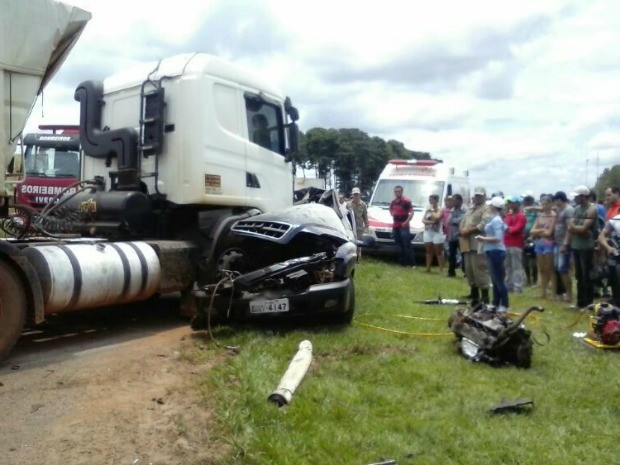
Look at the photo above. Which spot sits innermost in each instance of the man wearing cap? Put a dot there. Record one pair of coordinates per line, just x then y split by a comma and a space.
514, 239
561, 259
495, 250
360, 212
581, 238
401, 210
472, 225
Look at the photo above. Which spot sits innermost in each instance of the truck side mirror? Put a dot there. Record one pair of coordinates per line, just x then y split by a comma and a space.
291, 111
293, 140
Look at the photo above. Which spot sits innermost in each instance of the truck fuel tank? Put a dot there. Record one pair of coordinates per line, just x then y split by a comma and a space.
131, 209
78, 276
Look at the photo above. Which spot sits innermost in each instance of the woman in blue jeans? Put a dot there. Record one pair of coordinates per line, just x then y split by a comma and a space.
495, 250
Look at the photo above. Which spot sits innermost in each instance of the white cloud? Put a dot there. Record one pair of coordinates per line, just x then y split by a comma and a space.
519, 92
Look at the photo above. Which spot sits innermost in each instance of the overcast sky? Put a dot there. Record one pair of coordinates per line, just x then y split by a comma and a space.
524, 94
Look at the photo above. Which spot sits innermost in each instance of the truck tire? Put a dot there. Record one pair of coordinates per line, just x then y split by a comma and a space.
12, 309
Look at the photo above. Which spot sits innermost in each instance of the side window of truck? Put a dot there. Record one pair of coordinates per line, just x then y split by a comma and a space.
265, 123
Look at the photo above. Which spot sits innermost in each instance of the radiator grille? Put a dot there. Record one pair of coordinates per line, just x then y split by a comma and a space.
270, 229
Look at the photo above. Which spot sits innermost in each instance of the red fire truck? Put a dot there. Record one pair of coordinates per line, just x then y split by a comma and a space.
51, 162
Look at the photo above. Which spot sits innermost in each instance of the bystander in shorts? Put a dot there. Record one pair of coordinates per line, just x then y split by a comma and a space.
544, 246
434, 237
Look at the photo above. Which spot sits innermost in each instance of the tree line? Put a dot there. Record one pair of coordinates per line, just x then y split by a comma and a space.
349, 157
609, 177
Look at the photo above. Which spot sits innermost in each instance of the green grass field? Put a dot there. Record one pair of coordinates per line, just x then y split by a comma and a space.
392, 386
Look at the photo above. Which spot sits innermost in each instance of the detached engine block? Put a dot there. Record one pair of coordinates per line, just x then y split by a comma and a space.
483, 335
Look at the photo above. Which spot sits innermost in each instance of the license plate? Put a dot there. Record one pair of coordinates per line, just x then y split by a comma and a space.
269, 306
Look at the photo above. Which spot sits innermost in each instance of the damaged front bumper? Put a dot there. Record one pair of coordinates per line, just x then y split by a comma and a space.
319, 299
303, 286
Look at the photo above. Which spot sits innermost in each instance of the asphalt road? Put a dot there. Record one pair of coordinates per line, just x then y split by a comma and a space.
63, 336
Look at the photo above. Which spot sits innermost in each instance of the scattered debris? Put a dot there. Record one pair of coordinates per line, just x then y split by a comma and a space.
293, 375
440, 301
385, 462
516, 406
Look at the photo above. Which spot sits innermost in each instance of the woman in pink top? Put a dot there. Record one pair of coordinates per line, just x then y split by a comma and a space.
514, 240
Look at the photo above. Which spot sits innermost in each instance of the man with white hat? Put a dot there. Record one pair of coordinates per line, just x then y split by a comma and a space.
471, 226
581, 238
360, 212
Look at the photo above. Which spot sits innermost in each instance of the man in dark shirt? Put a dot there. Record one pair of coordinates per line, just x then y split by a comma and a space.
401, 210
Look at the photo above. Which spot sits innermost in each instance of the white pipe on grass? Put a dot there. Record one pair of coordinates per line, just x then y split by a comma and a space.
293, 375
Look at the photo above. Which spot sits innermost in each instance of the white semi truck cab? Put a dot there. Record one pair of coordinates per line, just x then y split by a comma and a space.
186, 129
181, 143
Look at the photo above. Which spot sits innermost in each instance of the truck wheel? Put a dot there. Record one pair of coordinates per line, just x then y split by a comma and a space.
232, 255
12, 309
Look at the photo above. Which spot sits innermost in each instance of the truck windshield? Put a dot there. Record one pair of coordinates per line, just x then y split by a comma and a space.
52, 162
417, 190
265, 124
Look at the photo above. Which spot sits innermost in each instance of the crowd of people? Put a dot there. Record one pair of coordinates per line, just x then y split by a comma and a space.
505, 243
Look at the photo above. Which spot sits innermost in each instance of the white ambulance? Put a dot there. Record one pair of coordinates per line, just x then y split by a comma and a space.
419, 178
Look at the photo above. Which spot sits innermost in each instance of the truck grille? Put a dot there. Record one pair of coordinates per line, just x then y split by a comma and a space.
270, 229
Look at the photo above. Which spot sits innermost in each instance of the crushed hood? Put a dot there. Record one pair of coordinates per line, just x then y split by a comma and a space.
282, 226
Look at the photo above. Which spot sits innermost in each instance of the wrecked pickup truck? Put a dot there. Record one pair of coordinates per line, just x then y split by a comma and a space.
296, 262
